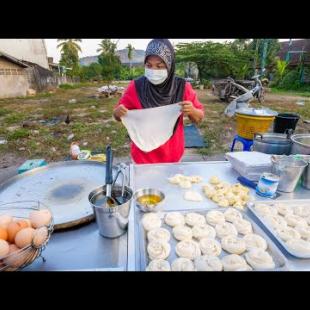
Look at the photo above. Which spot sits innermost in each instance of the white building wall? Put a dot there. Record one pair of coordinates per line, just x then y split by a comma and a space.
33, 50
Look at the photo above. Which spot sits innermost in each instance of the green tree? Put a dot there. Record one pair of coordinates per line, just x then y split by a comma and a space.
281, 66
130, 50
109, 61
70, 49
91, 72
214, 59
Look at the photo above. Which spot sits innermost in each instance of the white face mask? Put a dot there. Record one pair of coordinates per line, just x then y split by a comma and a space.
156, 76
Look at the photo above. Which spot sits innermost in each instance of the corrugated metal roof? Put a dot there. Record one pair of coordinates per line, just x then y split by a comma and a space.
13, 59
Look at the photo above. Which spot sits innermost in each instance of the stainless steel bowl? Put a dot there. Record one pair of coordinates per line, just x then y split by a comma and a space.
148, 191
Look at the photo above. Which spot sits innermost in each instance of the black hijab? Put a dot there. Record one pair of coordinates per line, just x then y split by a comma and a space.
172, 89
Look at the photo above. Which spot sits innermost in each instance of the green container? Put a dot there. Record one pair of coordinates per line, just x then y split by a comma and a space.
31, 164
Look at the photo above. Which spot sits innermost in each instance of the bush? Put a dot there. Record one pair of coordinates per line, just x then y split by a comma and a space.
291, 80
66, 86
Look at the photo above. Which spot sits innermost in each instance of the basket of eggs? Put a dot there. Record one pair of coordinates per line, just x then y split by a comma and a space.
25, 229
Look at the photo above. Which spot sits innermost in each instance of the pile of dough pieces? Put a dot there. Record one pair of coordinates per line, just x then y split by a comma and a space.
222, 193
289, 223
186, 182
225, 194
216, 241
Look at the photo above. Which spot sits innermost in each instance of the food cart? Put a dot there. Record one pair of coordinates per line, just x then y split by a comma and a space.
77, 245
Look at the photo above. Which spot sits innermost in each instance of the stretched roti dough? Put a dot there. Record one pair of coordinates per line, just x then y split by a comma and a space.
153, 127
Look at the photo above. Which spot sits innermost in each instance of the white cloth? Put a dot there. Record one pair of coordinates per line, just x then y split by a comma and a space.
153, 127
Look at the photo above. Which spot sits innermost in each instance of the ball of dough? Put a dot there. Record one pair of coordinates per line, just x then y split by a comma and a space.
188, 248
210, 246
208, 263
182, 264
283, 209
215, 217
244, 227
193, 219
176, 179
233, 245
264, 209
223, 203
174, 219
245, 268
259, 259
233, 262
225, 229
255, 241
151, 221
304, 231
231, 197
286, 233
232, 214
302, 211
158, 234
158, 265
275, 221
308, 219
192, 196
300, 246
182, 232
158, 249
185, 184
196, 179
294, 220
214, 180
203, 231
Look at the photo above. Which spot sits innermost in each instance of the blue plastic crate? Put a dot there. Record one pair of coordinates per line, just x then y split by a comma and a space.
31, 164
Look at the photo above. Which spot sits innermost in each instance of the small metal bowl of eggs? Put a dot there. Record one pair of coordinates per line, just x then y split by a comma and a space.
25, 229
148, 199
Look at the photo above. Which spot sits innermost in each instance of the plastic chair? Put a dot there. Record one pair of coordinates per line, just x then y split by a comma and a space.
247, 144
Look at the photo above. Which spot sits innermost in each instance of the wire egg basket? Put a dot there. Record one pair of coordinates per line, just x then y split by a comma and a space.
23, 257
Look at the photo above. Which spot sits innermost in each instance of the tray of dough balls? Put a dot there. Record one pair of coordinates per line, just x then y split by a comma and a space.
217, 239
288, 222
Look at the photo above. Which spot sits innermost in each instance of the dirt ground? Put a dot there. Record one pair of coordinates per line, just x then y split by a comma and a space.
35, 127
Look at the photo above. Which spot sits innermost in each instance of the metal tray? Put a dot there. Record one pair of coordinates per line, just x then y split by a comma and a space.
63, 186
278, 257
270, 229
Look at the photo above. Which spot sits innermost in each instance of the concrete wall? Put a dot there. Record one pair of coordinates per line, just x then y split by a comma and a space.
33, 50
13, 85
13, 80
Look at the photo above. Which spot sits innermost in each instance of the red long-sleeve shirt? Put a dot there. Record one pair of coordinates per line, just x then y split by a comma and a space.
173, 149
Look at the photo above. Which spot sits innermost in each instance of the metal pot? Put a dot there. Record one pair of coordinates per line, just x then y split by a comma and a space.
112, 221
271, 143
289, 169
301, 144
305, 178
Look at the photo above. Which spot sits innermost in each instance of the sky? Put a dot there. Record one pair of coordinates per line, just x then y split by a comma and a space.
89, 46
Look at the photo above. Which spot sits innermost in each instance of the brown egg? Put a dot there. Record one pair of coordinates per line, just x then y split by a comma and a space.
24, 223
24, 237
40, 218
4, 248
5, 220
16, 259
13, 229
40, 236
3, 234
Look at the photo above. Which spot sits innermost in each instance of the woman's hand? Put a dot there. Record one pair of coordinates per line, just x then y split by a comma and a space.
120, 111
189, 110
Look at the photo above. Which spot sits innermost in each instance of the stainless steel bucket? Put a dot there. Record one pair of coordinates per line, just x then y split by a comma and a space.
289, 169
112, 221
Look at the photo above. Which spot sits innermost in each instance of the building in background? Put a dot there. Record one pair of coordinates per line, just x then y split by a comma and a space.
33, 50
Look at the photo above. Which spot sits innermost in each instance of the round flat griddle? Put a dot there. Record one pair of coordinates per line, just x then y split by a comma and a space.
64, 187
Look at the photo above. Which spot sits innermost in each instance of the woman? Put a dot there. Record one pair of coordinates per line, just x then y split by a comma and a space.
160, 87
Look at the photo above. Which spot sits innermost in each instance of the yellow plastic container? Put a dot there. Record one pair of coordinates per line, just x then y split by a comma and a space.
248, 125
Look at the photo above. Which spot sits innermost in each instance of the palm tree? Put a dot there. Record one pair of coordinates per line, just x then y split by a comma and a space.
70, 53
69, 44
